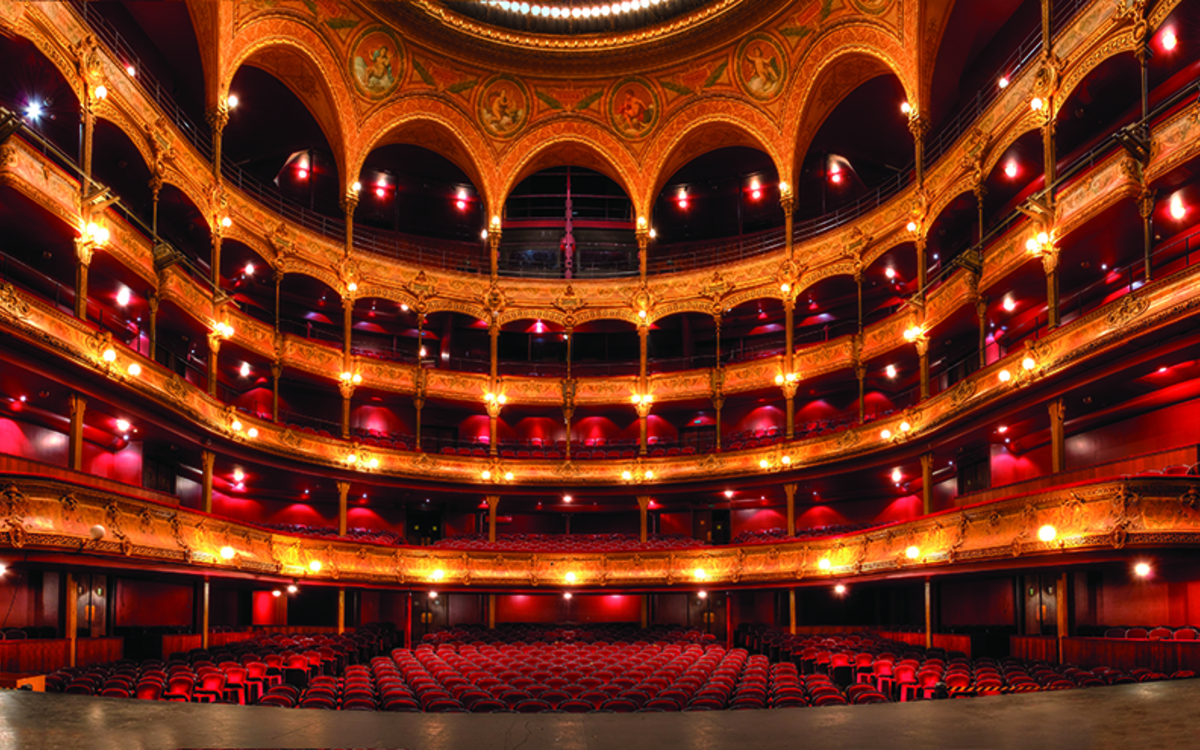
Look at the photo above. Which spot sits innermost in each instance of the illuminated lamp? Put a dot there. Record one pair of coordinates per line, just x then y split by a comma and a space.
702, 594
110, 355
352, 287
276, 593
1028, 363
33, 110
786, 460
912, 553
123, 296
699, 574
226, 222
1142, 569
567, 498
890, 371
785, 288
1005, 376
885, 434
122, 425
764, 464
356, 187
238, 475
1169, 41
896, 475
228, 553
567, 595
380, 192
906, 108
1010, 169
570, 578
132, 71
244, 370
236, 426
249, 269
1037, 104
1009, 304
1047, 533
1003, 82
315, 566
911, 226
840, 589
302, 173
252, 432
232, 101
485, 475
135, 369
438, 574
905, 426
835, 177
824, 564
889, 272
508, 476
433, 595
101, 92
728, 494
292, 588
1177, 209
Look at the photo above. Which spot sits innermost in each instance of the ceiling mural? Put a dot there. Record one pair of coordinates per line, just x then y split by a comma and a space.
384, 67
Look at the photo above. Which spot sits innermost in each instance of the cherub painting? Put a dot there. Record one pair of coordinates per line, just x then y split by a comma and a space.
633, 109
376, 63
762, 67
502, 107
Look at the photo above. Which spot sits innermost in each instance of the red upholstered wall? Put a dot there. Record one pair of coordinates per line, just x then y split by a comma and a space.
551, 608
146, 603
757, 519
253, 510
124, 465
385, 419
987, 601
383, 606
1009, 467
268, 610
31, 441
1154, 431
28, 598
675, 523
1170, 597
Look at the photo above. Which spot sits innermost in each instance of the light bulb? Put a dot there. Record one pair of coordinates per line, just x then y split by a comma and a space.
123, 296
122, 425
912, 553
1142, 569
1047, 533
228, 553
232, 101
135, 369
890, 371
315, 566
824, 563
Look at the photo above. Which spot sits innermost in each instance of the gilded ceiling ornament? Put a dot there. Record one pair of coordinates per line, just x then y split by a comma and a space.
376, 62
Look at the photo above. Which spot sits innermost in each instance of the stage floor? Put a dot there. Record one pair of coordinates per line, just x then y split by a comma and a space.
1153, 715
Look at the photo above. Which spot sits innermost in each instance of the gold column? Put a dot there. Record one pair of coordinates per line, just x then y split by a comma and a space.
78, 406
792, 611
1050, 265
493, 501
926, 483
347, 327
643, 242
928, 613
643, 407
346, 388
860, 372
788, 201
214, 350
645, 611
1062, 613
218, 118
493, 406
349, 203
922, 265
84, 249
278, 284
789, 397
922, 344
717, 378
341, 611
981, 305
1058, 444
343, 489
204, 598
491, 608
568, 409
918, 126
216, 258
276, 374
493, 238
790, 490
207, 459
153, 301
643, 507
71, 619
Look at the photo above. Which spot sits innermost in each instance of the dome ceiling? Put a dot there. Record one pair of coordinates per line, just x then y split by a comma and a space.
598, 18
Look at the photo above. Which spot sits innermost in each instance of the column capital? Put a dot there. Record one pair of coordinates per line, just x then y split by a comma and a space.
217, 117
343, 488
644, 501
207, 460
492, 501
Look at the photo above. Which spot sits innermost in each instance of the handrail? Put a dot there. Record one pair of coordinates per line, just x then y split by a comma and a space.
469, 257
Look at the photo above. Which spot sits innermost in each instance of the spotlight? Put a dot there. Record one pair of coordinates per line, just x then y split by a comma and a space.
380, 192
1169, 40
276, 593
122, 425
132, 71
238, 475
889, 272
1010, 170
249, 269
123, 296
1009, 304
567, 596
292, 588
33, 110
1178, 210
890, 371
840, 589
567, 498
302, 174
244, 370
1142, 569
232, 101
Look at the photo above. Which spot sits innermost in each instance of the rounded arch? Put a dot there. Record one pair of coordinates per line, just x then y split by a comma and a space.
568, 143
838, 77
431, 124
697, 131
299, 59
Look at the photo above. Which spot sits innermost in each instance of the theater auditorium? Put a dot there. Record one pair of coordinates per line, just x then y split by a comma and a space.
574, 373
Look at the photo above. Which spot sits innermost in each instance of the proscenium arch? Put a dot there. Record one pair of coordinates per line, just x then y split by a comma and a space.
431, 129
298, 63
576, 144
696, 132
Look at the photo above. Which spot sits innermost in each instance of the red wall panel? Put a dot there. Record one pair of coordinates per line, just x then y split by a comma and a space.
1154, 431
554, 608
977, 602
146, 603
675, 523
267, 609
757, 519
31, 441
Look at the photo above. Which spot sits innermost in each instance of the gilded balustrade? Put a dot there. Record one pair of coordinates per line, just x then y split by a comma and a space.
1062, 351
42, 515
